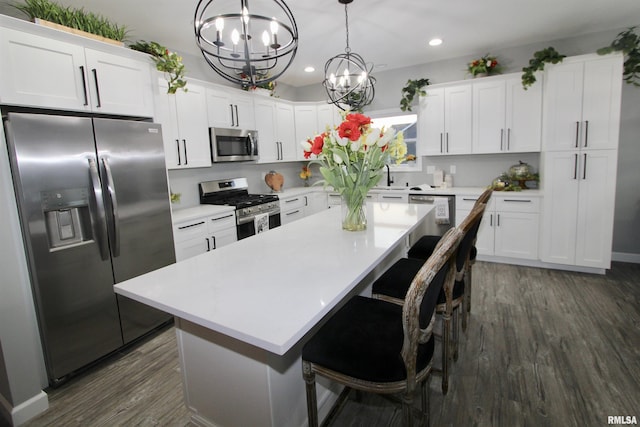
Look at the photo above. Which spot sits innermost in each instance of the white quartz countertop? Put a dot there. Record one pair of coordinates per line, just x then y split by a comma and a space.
269, 290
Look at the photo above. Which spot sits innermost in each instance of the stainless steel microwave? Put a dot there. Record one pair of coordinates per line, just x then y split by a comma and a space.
233, 145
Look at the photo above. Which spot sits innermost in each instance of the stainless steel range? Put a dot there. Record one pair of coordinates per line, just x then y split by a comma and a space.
254, 212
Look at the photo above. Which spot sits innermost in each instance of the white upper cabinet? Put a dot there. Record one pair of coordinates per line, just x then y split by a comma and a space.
183, 116
41, 71
582, 103
328, 115
506, 117
307, 125
275, 123
230, 108
445, 121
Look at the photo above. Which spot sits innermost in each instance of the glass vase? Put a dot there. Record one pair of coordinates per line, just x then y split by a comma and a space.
354, 212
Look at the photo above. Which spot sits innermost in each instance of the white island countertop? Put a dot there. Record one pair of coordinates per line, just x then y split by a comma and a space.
269, 290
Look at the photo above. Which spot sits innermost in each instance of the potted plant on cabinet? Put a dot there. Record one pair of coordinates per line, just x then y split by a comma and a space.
412, 88
627, 42
484, 66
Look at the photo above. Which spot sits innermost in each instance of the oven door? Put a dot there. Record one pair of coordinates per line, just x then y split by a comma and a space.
246, 227
232, 145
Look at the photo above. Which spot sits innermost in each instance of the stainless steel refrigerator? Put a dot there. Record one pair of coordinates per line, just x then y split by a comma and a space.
94, 208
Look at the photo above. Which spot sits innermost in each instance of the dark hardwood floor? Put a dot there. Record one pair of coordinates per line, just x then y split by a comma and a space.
543, 348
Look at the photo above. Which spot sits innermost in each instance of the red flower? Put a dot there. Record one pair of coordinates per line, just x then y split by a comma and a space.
317, 144
349, 129
360, 119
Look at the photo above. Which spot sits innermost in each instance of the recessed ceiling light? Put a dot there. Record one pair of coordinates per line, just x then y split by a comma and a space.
309, 69
435, 42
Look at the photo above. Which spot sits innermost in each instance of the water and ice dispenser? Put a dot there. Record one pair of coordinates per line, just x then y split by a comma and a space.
67, 217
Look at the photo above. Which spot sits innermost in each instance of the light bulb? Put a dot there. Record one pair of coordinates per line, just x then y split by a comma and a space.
274, 26
235, 36
245, 15
265, 38
219, 24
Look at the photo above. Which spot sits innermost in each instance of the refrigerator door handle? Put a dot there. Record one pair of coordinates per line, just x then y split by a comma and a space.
102, 220
114, 208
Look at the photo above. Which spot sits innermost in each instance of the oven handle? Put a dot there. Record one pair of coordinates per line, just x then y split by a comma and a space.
247, 219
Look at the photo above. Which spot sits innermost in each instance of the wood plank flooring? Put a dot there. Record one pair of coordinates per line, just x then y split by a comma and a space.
543, 348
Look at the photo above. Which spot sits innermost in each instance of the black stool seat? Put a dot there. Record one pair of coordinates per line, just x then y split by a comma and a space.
424, 247
396, 280
363, 340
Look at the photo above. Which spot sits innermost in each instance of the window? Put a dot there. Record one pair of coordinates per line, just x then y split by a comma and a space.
408, 124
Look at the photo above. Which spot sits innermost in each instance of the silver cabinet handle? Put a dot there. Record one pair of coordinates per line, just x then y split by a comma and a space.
441, 143
208, 244
501, 139
508, 139
219, 218
178, 147
392, 197
291, 200
575, 166
491, 220
447, 142
95, 78
237, 117
584, 167
292, 212
101, 237
498, 221
518, 200
215, 246
233, 123
115, 218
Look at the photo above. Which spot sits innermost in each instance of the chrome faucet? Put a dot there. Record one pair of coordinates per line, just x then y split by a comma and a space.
389, 179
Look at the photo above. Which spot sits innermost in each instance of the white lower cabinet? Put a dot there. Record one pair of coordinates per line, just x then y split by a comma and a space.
317, 201
392, 197
292, 208
509, 226
203, 234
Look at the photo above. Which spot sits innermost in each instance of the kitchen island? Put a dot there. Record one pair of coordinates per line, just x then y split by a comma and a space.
244, 311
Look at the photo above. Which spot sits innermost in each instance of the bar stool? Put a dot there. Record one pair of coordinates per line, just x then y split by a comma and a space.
392, 286
376, 346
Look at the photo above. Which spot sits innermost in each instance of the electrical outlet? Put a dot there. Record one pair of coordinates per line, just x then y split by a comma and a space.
452, 169
431, 169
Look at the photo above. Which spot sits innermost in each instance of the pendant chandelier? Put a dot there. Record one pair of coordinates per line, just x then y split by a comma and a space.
347, 79
246, 45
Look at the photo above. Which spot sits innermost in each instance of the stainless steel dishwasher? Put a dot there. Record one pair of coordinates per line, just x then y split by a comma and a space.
442, 217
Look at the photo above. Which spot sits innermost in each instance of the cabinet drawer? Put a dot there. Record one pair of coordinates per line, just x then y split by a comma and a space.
189, 229
518, 204
393, 198
293, 203
221, 222
466, 203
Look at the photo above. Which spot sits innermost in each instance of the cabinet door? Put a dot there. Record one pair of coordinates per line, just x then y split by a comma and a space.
41, 72
561, 172
516, 235
485, 238
268, 146
223, 237
316, 202
457, 120
243, 109
119, 85
601, 102
523, 116
191, 108
306, 125
286, 132
192, 247
219, 108
167, 116
431, 123
292, 215
596, 208
563, 106
489, 131
328, 115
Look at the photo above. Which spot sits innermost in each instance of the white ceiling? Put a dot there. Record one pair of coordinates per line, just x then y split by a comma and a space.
391, 32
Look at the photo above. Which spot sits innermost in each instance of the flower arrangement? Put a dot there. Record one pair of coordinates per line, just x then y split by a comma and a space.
305, 174
487, 64
352, 158
166, 61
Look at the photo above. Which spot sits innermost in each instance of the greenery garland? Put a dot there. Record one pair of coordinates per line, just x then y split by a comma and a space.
166, 61
409, 92
627, 42
72, 18
549, 55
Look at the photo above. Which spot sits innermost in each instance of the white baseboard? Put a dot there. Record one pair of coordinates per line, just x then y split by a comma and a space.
625, 257
26, 410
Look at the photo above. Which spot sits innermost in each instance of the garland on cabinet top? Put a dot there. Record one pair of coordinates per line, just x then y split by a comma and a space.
409, 92
166, 61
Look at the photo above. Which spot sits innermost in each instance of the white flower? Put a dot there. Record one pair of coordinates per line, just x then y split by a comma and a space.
340, 141
306, 145
337, 158
355, 145
488, 63
388, 135
372, 136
